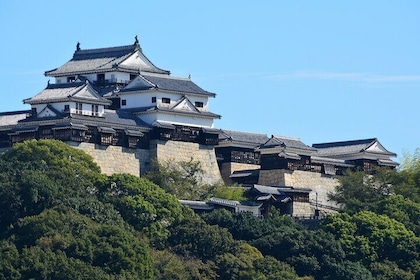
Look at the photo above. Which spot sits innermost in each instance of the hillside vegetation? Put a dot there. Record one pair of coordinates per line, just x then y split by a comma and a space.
61, 218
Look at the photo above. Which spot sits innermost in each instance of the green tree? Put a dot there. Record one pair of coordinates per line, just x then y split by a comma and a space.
183, 179
369, 237
408, 180
358, 190
245, 226
196, 238
63, 234
229, 192
37, 175
56, 158
42, 263
8, 257
144, 205
238, 264
387, 270
270, 268
168, 265
311, 253
401, 209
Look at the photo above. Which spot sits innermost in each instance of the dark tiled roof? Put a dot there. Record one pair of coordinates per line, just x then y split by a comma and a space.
279, 190
35, 118
166, 82
12, 118
107, 89
289, 155
336, 162
113, 52
69, 91
70, 125
287, 142
161, 124
24, 129
242, 138
145, 110
267, 189
122, 117
292, 189
353, 143
139, 83
387, 162
211, 130
245, 173
223, 202
197, 205
349, 147
104, 60
117, 118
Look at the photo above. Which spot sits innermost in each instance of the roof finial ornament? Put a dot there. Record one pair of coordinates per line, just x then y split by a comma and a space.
78, 47
137, 40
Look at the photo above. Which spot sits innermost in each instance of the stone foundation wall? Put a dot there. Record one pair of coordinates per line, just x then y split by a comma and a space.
302, 209
228, 168
116, 159
320, 184
184, 151
272, 177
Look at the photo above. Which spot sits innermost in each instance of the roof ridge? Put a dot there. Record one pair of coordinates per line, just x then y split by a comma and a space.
79, 89
286, 137
106, 49
246, 132
141, 76
65, 85
11, 113
343, 143
164, 75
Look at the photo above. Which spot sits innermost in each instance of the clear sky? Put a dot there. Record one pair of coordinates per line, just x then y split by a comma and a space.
321, 71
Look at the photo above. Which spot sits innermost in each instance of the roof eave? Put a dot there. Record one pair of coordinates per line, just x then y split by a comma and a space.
206, 93
174, 112
93, 71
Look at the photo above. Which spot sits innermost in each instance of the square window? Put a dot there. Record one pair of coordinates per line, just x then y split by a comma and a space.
154, 99
123, 102
100, 77
199, 104
166, 100
95, 110
79, 108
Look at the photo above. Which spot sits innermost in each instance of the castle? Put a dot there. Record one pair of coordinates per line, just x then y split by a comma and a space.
116, 105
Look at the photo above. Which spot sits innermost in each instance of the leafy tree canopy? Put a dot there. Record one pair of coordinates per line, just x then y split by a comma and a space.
144, 205
182, 179
62, 237
62, 219
36, 175
370, 237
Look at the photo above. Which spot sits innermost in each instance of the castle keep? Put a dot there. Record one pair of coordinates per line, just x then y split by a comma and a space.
116, 105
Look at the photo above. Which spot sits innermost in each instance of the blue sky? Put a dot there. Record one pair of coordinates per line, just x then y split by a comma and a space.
322, 71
